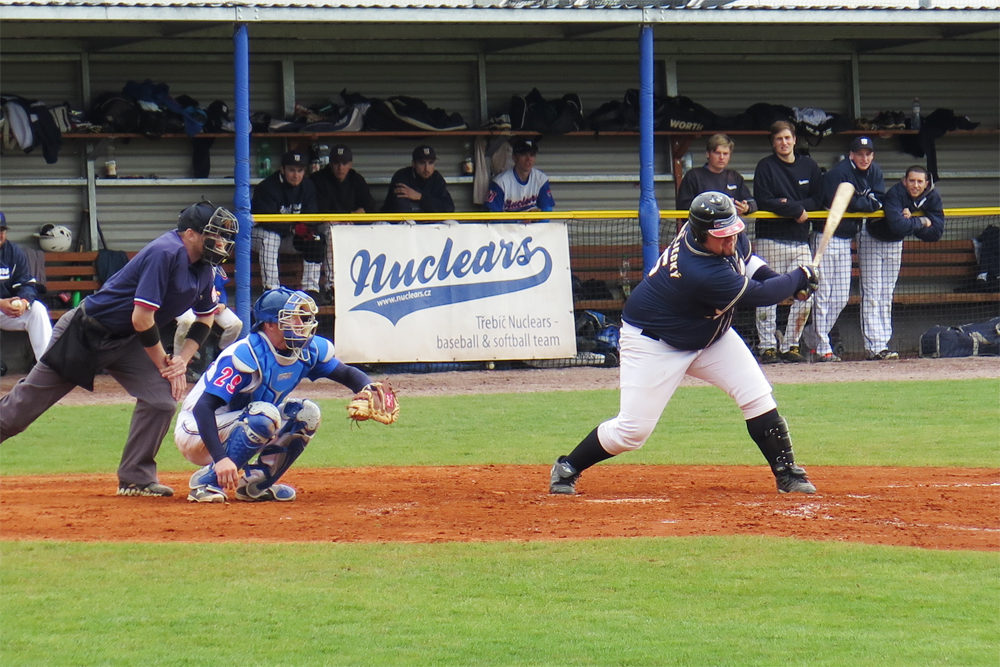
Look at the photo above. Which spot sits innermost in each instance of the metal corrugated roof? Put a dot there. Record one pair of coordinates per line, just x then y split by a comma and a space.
686, 5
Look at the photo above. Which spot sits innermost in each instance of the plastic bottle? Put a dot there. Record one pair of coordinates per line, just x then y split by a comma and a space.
626, 287
915, 119
264, 159
76, 297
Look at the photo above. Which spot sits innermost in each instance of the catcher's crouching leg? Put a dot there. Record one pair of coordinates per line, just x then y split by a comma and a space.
258, 482
257, 426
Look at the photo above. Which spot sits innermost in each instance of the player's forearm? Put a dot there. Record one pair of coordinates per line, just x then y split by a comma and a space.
773, 290
204, 416
351, 377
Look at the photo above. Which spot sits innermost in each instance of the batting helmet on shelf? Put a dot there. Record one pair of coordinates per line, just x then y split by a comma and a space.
713, 213
54, 238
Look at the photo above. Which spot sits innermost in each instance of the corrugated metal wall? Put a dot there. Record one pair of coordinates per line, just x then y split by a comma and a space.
132, 213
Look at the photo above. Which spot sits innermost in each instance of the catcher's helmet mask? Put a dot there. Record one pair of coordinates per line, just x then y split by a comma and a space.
217, 224
295, 314
713, 213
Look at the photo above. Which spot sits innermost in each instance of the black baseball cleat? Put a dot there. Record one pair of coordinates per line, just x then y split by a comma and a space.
563, 478
792, 479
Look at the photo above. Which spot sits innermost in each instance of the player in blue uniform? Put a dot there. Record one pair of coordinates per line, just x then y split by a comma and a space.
242, 408
117, 329
522, 187
677, 322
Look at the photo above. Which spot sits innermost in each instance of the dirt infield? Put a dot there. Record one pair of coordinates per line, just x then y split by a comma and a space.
933, 508
930, 508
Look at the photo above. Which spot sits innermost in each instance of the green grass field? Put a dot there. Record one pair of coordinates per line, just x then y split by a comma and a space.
677, 601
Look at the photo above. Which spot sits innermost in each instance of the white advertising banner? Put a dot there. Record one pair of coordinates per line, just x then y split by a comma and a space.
440, 292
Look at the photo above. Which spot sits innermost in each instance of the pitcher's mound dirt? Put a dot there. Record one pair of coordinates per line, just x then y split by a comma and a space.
934, 508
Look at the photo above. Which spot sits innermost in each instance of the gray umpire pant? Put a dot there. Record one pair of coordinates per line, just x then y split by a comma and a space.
132, 368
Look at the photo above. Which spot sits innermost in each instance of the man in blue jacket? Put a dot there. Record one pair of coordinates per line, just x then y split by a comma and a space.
860, 170
20, 309
912, 208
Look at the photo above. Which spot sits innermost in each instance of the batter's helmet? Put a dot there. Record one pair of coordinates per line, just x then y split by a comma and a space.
714, 213
295, 312
217, 224
54, 238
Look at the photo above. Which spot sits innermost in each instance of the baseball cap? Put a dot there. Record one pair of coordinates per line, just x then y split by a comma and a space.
293, 159
522, 145
341, 153
3, 221
424, 153
862, 143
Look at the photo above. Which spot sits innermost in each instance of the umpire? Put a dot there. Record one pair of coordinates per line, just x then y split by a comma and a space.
117, 329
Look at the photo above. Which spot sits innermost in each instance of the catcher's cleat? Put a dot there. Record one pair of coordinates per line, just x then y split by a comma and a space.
280, 492
207, 494
152, 490
563, 478
792, 479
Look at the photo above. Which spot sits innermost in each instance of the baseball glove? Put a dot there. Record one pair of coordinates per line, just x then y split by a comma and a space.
376, 401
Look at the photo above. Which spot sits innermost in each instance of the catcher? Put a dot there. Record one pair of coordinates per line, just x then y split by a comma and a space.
241, 408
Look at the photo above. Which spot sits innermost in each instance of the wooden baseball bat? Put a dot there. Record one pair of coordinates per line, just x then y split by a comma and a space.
837, 209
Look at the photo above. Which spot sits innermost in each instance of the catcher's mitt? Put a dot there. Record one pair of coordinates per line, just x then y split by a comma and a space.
376, 401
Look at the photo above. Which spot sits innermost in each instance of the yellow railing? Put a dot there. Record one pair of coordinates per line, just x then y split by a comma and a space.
553, 215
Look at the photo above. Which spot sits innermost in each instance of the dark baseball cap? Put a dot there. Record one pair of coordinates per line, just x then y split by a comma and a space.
862, 143
424, 153
293, 159
3, 221
341, 153
522, 145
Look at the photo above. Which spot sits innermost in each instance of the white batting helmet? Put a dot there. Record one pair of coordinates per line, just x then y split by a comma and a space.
54, 238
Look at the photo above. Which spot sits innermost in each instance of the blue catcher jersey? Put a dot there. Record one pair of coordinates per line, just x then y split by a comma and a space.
689, 298
252, 370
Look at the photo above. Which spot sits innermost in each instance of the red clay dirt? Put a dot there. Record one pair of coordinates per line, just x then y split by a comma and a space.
930, 508
934, 508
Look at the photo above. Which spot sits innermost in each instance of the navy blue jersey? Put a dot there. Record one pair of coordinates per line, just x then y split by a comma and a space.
15, 276
703, 179
160, 277
434, 195
689, 298
869, 188
895, 227
799, 184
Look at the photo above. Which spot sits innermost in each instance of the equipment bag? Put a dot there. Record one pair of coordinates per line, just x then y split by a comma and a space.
980, 339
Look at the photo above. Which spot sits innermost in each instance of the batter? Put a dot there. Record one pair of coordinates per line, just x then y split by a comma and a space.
678, 321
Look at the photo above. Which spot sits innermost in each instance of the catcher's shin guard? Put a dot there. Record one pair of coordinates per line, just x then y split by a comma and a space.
776, 444
258, 482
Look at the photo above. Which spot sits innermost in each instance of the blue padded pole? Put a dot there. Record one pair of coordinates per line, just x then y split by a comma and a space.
649, 210
241, 197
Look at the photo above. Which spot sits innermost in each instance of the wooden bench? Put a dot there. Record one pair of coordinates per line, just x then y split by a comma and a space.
953, 262
604, 268
71, 272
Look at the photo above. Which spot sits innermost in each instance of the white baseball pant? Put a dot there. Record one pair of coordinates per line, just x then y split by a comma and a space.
782, 257
188, 438
879, 262
266, 244
834, 289
35, 320
231, 325
651, 371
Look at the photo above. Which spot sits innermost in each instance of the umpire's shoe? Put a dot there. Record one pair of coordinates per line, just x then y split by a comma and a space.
151, 489
563, 478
